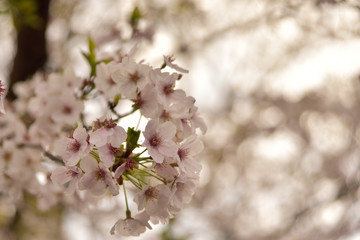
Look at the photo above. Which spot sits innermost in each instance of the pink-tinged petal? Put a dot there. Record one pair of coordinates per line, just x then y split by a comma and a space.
80, 134
71, 187
168, 148
106, 155
88, 164
60, 175
144, 218
140, 198
167, 130
156, 155
151, 128
120, 170
146, 143
72, 160
193, 166
87, 181
98, 188
99, 137
166, 171
61, 147
2, 109
118, 137
200, 123
113, 187
193, 145
179, 96
129, 89
169, 62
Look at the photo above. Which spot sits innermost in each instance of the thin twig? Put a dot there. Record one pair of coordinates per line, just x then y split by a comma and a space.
40, 148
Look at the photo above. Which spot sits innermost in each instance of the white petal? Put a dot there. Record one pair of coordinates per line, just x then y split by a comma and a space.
168, 148
88, 164
80, 134
167, 130
98, 188
151, 128
100, 137
118, 137
106, 155
60, 176
156, 155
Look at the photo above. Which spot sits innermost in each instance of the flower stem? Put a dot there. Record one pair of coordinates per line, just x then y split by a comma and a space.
152, 175
133, 182
139, 154
126, 201
137, 126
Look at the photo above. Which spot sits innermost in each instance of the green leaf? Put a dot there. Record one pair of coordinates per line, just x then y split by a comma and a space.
116, 100
91, 57
135, 17
132, 139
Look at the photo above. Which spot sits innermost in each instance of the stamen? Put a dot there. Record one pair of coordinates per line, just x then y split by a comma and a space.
151, 193
67, 110
168, 89
74, 147
100, 174
134, 76
155, 141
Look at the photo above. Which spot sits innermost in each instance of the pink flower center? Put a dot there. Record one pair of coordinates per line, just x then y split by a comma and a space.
113, 150
110, 81
67, 110
7, 156
100, 174
72, 173
74, 147
138, 102
134, 76
182, 153
151, 193
165, 115
168, 89
109, 123
155, 141
130, 164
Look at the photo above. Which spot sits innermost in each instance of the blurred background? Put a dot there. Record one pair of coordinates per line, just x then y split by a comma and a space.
277, 83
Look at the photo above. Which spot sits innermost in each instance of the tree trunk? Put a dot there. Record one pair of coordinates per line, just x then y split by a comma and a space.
31, 52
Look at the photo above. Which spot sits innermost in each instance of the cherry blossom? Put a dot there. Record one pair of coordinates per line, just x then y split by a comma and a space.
65, 109
132, 226
165, 84
97, 177
155, 201
65, 174
75, 147
147, 102
187, 150
104, 82
107, 132
182, 191
158, 140
131, 78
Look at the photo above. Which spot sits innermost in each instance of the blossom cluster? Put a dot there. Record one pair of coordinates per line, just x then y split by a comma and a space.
158, 163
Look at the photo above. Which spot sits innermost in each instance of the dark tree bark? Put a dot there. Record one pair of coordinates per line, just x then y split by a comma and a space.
31, 52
